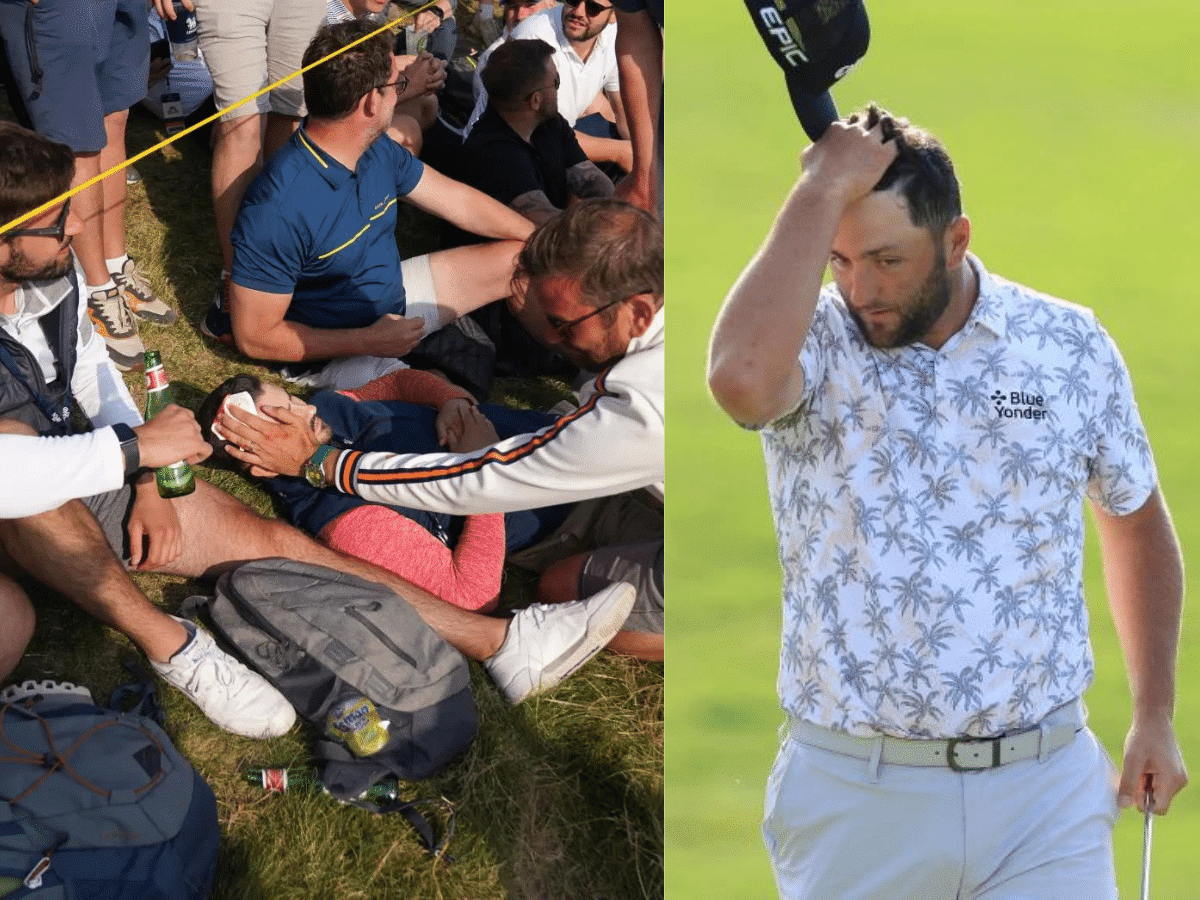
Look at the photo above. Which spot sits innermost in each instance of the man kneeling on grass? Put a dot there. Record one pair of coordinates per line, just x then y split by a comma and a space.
594, 279
82, 548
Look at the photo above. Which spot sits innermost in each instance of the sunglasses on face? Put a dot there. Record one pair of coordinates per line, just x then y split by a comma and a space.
557, 84
57, 231
593, 8
565, 327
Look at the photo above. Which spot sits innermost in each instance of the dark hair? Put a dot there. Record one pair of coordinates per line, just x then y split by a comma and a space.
333, 89
922, 171
211, 405
515, 69
611, 248
33, 171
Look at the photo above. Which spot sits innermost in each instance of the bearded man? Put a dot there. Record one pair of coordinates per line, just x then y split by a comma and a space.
931, 432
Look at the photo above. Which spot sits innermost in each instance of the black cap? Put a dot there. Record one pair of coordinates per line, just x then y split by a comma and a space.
815, 42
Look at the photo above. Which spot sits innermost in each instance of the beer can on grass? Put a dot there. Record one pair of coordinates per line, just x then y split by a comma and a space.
356, 721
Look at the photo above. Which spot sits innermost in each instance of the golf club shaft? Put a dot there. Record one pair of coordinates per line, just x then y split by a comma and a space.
1147, 837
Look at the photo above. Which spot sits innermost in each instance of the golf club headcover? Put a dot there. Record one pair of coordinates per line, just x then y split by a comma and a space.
815, 43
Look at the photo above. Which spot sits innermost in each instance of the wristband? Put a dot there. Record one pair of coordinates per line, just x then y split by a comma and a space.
129, 447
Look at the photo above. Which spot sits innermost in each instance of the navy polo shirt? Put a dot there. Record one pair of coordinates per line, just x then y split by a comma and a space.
312, 228
499, 162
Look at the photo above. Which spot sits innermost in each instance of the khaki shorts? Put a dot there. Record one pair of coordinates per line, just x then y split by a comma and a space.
248, 44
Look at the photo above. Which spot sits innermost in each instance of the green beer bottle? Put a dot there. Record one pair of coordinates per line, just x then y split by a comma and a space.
305, 780
177, 479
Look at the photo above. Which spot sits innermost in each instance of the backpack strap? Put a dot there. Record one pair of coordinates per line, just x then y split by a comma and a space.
436, 849
139, 697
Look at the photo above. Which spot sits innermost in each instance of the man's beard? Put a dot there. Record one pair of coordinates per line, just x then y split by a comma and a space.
924, 308
19, 268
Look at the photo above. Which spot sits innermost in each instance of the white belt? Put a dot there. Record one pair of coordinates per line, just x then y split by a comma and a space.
965, 754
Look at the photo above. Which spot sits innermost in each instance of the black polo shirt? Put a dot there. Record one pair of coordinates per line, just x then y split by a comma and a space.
497, 161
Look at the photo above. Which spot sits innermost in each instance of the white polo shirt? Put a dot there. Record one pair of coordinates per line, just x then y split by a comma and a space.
580, 81
928, 508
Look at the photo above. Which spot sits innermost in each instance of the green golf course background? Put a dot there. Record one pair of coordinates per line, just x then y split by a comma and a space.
1075, 129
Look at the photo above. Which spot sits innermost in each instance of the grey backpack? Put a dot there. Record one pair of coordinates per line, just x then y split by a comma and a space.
391, 696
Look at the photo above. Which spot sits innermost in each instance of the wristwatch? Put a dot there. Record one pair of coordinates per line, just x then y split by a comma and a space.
129, 447
314, 469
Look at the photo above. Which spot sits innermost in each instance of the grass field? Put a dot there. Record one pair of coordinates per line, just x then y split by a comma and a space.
1073, 127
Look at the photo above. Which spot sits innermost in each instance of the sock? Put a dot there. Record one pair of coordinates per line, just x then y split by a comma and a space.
108, 285
116, 265
187, 641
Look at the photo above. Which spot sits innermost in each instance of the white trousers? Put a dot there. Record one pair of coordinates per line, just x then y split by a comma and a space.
837, 828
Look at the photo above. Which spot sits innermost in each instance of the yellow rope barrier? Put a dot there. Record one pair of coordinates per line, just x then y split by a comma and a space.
220, 112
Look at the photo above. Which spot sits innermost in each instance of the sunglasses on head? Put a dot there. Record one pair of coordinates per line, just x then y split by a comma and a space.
58, 230
593, 8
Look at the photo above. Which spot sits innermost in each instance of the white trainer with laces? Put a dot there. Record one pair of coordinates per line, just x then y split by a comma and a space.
547, 642
236, 699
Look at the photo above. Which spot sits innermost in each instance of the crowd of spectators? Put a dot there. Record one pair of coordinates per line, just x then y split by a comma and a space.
390, 471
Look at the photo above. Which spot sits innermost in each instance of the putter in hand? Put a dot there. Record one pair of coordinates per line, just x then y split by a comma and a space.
1147, 835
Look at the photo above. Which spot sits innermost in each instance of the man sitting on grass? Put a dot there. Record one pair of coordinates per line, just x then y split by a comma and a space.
82, 548
316, 274
521, 151
42, 473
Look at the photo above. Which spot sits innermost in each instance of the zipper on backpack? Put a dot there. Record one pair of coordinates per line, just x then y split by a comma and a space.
355, 613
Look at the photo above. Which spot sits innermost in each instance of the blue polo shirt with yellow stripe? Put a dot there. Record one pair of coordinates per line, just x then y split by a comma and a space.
312, 228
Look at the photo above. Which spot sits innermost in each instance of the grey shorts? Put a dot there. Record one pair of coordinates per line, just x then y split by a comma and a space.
624, 534
112, 510
349, 372
638, 564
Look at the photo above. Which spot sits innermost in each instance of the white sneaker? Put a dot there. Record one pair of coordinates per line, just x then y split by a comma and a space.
233, 697
547, 642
